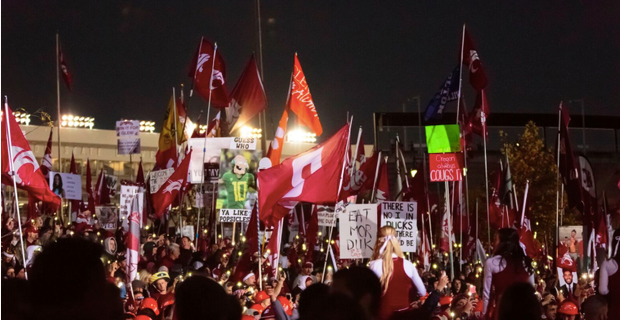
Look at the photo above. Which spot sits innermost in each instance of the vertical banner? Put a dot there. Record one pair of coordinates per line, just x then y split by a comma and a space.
358, 231
402, 216
128, 193
128, 136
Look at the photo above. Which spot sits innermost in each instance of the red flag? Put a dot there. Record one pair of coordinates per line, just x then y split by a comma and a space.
251, 241
140, 175
214, 127
496, 209
66, 75
477, 76
248, 97
447, 231
526, 234
33, 208
273, 249
382, 192
133, 241
202, 64
89, 188
300, 100
602, 231
474, 122
46, 163
312, 176
312, 232
27, 174
275, 148
461, 224
102, 193
367, 172
169, 190
569, 168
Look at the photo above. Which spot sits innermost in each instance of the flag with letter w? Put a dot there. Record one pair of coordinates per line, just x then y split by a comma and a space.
312, 176
169, 190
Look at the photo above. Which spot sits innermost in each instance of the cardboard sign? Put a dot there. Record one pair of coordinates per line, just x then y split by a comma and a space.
128, 193
443, 138
128, 133
235, 215
66, 185
446, 166
107, 217
243, 143
213, 147
326, 216
158, 178
358, 231
403, 217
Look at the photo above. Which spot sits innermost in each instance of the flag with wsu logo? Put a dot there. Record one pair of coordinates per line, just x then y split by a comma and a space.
300, 100
170, 189
203, 70
477, 76
28, 175
312, 176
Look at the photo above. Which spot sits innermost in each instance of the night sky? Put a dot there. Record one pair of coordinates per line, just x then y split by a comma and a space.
358, 56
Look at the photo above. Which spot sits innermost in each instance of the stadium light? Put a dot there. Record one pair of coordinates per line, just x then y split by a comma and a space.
69, 120
202, 128
147, 126
22, 117
249, 132
300, 136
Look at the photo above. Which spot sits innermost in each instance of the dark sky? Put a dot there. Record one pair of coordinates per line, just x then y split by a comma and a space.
358, 56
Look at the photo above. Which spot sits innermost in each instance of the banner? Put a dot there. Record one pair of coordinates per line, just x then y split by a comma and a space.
128, 136
158, 178
327, 216
358, 231
201, 162
403, 217
235, 215
66, 185
107, 217
128, 193
446, 166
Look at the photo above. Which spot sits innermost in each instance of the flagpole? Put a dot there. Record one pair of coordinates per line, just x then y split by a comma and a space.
562, 203
374, 185
527, 188
359, 136
58, 102
447, 195
486, 169
12, 174
458, 102
557, 188
262, 116
477, 256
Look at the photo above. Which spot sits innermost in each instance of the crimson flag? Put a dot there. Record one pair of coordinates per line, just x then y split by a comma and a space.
27, 173
133, 241
476, 121
312, 176
569, 168
526, 234
243, 266
66, 75
102, 192
367, 171
89, 188
361, 153
447, 231
75, 204
169, 189
477, 76
382, 192
300, 100
311, 234
248, 96
273, 249
275, 148
200, 71
46, 163
214, 127
140, 175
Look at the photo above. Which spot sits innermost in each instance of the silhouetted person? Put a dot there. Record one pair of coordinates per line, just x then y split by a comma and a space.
519, 302
199, 298
362, 285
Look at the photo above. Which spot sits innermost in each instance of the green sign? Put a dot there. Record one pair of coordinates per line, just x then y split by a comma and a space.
443, 138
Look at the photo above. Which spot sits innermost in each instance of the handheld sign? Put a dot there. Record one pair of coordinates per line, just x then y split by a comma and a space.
446, 166
235, 215
326, 216
128, 136
358, 231
402, 216
443, 138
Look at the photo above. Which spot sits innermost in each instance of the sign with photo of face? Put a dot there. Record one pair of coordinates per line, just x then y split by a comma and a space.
237, 182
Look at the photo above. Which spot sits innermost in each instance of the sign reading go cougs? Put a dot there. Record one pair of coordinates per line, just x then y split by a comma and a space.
446, 166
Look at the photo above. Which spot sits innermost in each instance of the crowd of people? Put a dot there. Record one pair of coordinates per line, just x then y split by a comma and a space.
82, 272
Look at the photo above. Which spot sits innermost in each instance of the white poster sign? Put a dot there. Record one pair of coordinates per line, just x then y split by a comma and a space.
66, 185
235, 215
213, 153
327, 216
128, 136
128, 193
358, 231
242, 143
107, 216
158, 178
403, 217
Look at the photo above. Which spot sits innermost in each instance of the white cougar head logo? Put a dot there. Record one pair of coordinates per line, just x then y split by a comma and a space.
22, 157
202, 59
217, 76
174, 185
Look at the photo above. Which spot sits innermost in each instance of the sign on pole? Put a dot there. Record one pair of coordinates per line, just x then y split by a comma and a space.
358, 231
446, 166
326, 216
402, 216
235, 215
128, 136
128, 193
209, 162
158, 178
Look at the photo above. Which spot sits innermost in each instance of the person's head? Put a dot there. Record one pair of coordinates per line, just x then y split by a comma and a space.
109, 245
508, 246
461, 303
250, 279
7, 257
57, 182
457, 285
228, 287
594, 308
573, 233
263, 299
174, 251
202, 298
9, 224
305, 282
551, 310
387, 244
568, 310
519, 301
362, 285
186, 243
160, 281
213, 248
307, 268
568, 276
10, 272
45, 233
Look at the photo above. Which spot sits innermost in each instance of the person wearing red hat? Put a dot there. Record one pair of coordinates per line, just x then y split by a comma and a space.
568, 310
609, 278
149, 308
509, 265
396, 274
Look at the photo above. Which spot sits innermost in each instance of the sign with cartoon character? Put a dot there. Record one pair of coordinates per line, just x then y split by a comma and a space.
238, 178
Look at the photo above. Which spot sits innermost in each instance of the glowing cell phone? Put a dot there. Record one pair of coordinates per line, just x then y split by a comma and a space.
472, 290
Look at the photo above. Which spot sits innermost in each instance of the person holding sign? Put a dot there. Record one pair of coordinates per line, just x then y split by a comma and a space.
237, 182
396, 274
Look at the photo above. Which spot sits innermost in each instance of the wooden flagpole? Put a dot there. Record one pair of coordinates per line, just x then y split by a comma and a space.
557, 189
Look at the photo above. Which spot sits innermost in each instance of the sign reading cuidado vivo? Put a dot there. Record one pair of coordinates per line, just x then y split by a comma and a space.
446, 166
